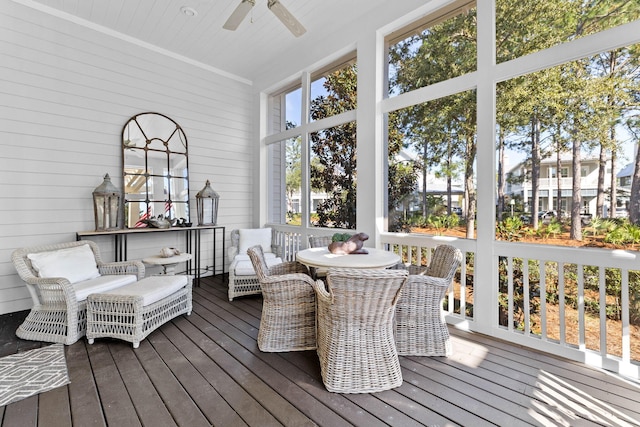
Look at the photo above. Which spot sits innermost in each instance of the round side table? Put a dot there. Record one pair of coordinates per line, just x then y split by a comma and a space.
168, 264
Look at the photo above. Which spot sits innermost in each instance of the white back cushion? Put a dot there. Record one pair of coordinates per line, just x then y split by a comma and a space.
254, 236
74, 264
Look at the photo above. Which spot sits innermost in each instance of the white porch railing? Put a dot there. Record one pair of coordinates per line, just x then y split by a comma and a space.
547, 297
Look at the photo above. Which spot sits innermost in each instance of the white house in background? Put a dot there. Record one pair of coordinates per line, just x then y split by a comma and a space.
519, 184
624, 178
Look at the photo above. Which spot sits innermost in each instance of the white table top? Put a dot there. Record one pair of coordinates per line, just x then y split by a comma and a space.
160, 260
322, 258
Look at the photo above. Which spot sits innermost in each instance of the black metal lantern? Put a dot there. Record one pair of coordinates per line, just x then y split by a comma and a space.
207, 205
106, 205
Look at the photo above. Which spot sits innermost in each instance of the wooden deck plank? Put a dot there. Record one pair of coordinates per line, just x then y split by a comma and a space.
540, 374
21, 413
438, 410
149, 406
86, 408
293, 383
204, 359
485, 399
308, 379
206, 369
178, 402
270, 398
385, 411
54, 408
116, 403
181, 362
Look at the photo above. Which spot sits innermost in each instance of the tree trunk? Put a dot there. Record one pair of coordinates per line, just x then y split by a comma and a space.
424, 181
501, 175
558, 182
535, 169
469, 185
634, 198
602, 163
449, 197
575, 233
614, 180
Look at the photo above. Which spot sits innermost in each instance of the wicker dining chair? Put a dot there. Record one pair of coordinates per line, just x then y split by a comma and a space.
356, 348
288, 321
58, 314
319, 242
420, 326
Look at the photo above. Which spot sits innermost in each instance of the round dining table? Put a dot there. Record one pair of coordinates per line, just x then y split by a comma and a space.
322, 258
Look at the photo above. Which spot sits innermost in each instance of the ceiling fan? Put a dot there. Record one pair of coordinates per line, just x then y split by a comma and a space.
274, 6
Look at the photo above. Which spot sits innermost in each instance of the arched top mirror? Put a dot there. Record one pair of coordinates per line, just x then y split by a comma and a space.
156, 176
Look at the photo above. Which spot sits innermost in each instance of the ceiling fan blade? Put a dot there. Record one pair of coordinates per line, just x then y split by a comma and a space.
287, 19
239, 14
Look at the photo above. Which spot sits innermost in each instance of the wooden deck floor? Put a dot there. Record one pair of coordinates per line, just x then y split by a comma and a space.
206, 369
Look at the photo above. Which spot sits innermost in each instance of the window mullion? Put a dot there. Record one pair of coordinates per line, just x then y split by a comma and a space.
305, 186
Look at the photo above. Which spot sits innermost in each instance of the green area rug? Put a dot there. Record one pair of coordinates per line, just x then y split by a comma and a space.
32, 372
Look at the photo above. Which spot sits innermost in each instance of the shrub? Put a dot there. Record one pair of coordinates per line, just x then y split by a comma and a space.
511, 229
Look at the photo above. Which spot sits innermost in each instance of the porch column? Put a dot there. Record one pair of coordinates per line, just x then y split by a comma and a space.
371, 200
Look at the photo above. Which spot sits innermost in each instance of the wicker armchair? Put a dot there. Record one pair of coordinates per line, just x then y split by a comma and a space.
288, 321
420, 326
58, 313
355, 329
242, 277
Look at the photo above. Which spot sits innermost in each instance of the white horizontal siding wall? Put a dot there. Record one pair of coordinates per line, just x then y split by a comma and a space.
66, 91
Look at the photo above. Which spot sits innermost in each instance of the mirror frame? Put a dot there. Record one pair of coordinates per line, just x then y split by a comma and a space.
155, 171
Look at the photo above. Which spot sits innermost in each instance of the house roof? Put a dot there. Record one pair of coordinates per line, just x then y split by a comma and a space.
626, 171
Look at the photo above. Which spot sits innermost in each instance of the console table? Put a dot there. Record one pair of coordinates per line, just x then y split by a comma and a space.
192, 235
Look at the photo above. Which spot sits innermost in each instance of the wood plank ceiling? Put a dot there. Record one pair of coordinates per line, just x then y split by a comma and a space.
259, 40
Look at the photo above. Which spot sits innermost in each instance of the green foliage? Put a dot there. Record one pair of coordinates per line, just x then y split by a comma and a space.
340, 237
625, 233
553, 228
333, 162
442, 222
510, 229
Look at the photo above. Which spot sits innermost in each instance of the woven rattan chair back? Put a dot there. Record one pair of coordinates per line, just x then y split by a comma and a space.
444, 262
421, 329
355, 330
256, 255
288, 320
319, 241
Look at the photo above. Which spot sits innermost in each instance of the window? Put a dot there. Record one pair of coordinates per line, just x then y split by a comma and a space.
549, 115
438, 48
339, 81
525, 27
313, 174
432, 145
333, 173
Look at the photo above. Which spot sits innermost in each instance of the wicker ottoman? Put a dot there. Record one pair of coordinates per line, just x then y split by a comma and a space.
133, 311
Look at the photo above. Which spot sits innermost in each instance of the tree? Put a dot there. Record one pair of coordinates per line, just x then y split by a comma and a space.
442, 130
293, 174
401, 176
333, 165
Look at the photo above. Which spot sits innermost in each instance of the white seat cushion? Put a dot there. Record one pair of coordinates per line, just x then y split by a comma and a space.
245, 268
102, 284
74, 264
153, 288
254, 236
